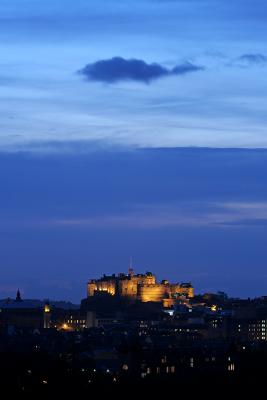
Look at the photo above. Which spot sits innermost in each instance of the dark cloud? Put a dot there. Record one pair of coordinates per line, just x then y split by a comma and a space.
248, 60
118, 69
253, 58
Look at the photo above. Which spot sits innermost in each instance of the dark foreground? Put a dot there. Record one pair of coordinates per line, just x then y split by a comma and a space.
82, 363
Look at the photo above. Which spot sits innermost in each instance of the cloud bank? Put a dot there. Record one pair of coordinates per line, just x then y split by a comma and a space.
119, 69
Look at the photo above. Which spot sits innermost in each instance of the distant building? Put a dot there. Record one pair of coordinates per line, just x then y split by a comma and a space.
94, 321
37, 314
142, 287
69, 320
24, 314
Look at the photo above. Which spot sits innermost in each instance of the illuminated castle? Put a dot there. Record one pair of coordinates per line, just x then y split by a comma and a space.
141, 287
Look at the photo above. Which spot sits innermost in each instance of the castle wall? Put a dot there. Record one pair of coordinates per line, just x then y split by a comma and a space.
142, 287
154, 292
91, 287
124, 285
144, 279
108, 286
128, 288
186, 290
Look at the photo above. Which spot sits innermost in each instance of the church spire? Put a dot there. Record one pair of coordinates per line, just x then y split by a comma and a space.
18, 297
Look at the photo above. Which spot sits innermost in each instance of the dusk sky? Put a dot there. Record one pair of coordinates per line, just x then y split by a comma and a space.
133, 129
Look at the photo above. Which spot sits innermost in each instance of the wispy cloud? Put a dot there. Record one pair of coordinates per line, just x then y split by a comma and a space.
183, 215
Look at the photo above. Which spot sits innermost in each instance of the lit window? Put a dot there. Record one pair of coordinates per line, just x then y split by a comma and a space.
231, 367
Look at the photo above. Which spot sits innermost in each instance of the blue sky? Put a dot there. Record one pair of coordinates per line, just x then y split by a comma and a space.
44, 44
132, 128
185, 214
